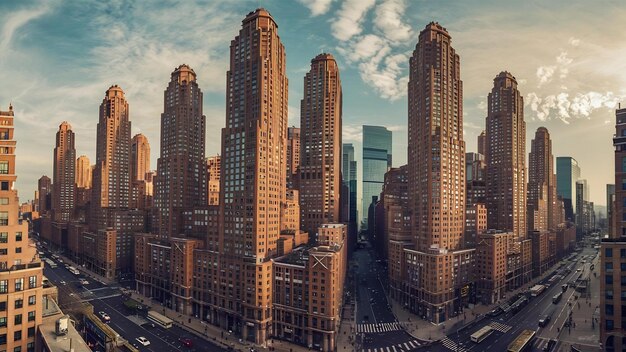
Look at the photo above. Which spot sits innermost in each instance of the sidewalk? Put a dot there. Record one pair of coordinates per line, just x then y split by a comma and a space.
428, 331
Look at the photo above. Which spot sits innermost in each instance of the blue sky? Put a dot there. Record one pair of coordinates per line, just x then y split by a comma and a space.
57, 58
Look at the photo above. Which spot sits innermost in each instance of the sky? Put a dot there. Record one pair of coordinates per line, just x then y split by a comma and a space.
58, 57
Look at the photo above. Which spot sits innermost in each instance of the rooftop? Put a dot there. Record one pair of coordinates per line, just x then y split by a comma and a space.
72, 341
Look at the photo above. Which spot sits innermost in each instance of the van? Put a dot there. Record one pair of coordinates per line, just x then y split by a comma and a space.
544, 320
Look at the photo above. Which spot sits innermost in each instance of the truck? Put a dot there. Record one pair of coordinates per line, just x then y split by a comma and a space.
537, 290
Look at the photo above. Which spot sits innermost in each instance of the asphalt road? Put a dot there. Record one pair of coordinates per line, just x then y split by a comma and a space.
109, 299
378, 329
509, 326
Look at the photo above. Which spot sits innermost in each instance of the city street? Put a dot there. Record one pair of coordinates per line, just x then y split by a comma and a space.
508, 326
128, 324
377, 327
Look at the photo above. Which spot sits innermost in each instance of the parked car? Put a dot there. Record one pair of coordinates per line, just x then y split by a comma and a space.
143, 341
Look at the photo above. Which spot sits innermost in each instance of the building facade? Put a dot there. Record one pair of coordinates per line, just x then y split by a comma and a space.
376, 156
44, 188
21, 270
139, 157
293, 156
613, 253
254, 144
308, 285
438, 269
542, 182
506, 157
349, 194
213, 164
63, 196
320, 145
181, 181
83, 172
567, 173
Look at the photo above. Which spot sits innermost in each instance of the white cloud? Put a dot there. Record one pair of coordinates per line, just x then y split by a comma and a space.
352, 133
17, 19
349, 20
545, 73
389, 20
574, 41
317, 7
563, 107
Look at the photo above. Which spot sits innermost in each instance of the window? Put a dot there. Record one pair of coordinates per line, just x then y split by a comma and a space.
4, 200
4, 286
4, 237
31, 345
622, 253
18, 319
32, 281
608, 252
3, 322
4, 218
608, 266
31, 331
608, 279
18, 236
4, 167
31, 316
3, 339
608, 308
19, 284
19, 303
18, 250
32, 300
17, 349
609, 324
624, 164
17, 335
4, 186
622, 266
3, 306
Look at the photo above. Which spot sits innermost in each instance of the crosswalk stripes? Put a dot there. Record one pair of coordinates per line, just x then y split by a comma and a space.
541, 342
401, 347
451, 345
379, 327
500, 327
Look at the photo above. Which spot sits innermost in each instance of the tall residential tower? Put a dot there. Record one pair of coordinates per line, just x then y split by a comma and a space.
320, 145
64, 173
181, 168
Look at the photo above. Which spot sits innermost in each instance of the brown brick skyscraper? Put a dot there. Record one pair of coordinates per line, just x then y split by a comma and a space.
293, 156
540, 175
506, 157
139, 157
83, 172
44, 186
181, 168
253, 180
320, 145
21, 271
436, 267
436, 148
64, 173
111, 177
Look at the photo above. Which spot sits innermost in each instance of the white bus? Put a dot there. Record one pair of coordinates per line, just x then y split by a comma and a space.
481, 334
73, 270
160, 319
51, 263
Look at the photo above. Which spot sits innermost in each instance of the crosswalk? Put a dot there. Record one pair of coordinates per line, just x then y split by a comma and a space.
500, 327
379, 327
541, 343
400, 347
453, 346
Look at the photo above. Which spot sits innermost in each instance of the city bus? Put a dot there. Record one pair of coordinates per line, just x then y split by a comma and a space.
522, 342
50, 263
73, 270
481, 334
160, 319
